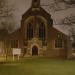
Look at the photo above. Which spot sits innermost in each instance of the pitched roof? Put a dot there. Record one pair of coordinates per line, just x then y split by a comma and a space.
3, 33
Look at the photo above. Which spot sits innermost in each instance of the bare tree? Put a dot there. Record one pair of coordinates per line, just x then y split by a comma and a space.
59, 5
71, 2
6, 15
69, 21
6, 19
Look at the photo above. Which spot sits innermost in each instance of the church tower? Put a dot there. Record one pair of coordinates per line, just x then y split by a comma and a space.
35, 3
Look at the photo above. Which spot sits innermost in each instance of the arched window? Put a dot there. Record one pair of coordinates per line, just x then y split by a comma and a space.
58, 41
29, 31
42, 32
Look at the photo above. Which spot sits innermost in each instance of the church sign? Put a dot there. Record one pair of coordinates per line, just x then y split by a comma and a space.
16, 51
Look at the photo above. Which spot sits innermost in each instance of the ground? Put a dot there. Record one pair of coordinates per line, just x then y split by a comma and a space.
38, 66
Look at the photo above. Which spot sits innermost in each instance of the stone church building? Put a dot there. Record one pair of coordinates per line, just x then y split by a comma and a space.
36, 36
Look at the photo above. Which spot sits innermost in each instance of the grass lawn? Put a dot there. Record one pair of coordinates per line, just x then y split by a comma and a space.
38, 66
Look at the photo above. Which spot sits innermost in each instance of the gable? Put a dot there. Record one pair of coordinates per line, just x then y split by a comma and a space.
15, 35
38, 11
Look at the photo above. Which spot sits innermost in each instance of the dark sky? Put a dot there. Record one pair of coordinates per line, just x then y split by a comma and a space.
21, 7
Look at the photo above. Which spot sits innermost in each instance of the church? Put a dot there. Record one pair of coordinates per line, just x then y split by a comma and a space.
36, 36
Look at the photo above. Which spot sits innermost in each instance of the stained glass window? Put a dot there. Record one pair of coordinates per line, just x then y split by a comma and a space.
29, 31
42, 32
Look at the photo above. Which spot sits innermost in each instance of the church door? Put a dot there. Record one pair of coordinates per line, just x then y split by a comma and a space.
34, 50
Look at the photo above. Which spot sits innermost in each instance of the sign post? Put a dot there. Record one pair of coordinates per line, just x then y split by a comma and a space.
16, 51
